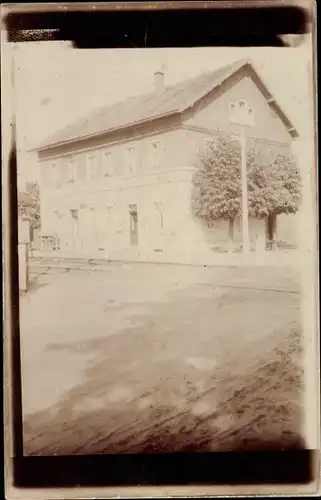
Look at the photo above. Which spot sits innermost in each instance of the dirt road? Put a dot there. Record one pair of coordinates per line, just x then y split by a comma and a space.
161, 358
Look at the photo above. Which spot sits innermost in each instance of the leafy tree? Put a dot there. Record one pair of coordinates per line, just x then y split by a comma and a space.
279, 185
217, 181
273, 187
29, 204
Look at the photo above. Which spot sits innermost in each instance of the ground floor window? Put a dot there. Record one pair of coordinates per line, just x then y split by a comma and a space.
160, 214
74, 226
133, 225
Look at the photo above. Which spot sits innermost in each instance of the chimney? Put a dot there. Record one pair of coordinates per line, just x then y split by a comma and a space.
159, 81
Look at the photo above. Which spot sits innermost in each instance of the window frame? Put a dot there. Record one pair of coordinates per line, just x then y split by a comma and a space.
74, 213
53, 177
159, 205
247, 106
155, 166
80, 166
110, 167
71, 170
130, 167
92, 171
46, 175
109, 210
211, 226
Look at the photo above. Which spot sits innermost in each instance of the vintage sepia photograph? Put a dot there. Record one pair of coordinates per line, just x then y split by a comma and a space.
166, 242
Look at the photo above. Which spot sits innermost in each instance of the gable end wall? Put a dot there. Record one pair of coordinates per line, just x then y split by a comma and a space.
212, 111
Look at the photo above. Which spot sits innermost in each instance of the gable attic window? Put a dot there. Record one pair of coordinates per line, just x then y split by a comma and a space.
251, 115
241, 112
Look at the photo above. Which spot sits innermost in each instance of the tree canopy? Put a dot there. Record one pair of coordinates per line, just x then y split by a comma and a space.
29, 204
273, 184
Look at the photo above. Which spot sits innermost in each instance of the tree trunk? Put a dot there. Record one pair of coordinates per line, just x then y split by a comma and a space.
230, 234
271, 229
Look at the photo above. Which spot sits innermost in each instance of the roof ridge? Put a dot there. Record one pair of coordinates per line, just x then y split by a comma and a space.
180, 82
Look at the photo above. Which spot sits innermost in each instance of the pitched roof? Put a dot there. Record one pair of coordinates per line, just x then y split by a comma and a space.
143, 108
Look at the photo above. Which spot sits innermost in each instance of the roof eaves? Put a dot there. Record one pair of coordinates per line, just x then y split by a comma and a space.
290, 127
107, 131
273, 103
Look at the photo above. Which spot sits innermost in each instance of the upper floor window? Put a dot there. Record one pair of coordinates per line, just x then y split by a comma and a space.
63, 171
46, 175
155, 159
93, 166
241, 112
50, 174
71, 170
53, 174
81, 168
130, 159
107, 162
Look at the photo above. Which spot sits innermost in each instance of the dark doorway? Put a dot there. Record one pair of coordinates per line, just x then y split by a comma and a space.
133, 225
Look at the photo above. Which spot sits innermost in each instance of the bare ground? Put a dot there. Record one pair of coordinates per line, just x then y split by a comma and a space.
211, 362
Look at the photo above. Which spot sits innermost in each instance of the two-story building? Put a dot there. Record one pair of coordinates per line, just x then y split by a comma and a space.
118, 184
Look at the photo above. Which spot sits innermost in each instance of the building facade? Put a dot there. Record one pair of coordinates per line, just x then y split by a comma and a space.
118, 185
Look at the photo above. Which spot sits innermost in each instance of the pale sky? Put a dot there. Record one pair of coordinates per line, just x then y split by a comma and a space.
55, 83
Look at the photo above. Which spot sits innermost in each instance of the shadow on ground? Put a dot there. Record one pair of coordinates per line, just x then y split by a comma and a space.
187, 376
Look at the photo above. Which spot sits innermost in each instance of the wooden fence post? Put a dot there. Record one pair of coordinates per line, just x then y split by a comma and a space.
23, 267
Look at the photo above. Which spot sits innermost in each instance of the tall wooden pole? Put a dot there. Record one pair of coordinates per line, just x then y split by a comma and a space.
245, 208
